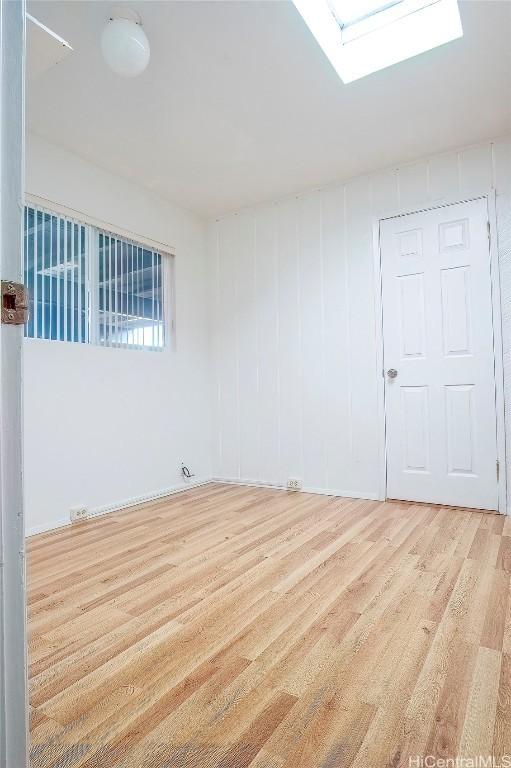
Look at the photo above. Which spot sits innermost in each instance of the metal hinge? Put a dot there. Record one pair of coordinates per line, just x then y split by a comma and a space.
488, 230
14, 303
498, 469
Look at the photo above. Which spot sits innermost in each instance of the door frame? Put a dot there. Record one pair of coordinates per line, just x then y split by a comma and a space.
13, 645
490, 198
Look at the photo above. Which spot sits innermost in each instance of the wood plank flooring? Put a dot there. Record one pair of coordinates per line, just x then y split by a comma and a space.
230, 626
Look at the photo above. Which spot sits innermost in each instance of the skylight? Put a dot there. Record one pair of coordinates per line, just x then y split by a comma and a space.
363, 36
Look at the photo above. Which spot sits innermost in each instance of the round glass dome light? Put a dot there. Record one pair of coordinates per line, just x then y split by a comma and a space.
125, 47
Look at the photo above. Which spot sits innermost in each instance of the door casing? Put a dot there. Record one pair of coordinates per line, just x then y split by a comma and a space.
13, 658
490, 198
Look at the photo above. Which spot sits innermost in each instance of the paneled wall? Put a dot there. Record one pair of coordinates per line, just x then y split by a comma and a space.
293, 321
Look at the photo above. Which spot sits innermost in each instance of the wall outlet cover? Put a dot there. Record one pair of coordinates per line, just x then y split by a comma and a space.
294, 485
78, 513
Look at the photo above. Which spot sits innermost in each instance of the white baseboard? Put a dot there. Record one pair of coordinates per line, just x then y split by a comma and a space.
370, 496
249, 483
178, 488
45, 527
117, 506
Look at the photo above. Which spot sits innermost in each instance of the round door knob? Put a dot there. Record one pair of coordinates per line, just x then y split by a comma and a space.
392, 373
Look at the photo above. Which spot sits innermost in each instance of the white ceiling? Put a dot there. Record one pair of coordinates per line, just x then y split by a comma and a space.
239, 104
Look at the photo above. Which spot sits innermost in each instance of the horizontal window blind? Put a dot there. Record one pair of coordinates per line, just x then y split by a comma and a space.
56, 276
91, 286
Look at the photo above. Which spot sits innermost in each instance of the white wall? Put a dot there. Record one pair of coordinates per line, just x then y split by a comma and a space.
103, 426
294, 352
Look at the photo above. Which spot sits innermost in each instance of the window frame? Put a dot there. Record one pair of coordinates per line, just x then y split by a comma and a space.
93, 227
393, 11
344, 23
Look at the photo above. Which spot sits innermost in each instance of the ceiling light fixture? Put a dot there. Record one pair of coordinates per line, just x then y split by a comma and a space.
368, 35
124, 44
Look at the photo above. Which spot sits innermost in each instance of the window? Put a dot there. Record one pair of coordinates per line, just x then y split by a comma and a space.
91, 286
56, 275
130, 301
363, 36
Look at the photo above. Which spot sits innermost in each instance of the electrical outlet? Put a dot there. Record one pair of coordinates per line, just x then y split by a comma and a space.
78, 513
294, 485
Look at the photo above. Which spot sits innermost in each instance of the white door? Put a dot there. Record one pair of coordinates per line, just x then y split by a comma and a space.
438, 357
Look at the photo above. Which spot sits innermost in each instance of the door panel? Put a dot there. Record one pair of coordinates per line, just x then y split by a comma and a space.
415, 411
412, 320
455, 285
438, 336
460, 429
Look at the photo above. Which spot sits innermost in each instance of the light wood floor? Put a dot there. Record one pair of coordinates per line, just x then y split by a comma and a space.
229, 626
